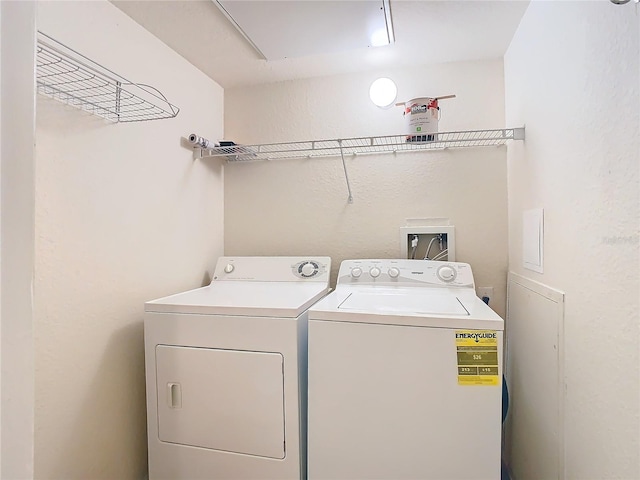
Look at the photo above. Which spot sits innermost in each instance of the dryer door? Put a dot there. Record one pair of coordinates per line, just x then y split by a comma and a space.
225, 400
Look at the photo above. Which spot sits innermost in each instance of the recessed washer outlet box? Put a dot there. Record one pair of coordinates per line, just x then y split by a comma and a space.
433, 243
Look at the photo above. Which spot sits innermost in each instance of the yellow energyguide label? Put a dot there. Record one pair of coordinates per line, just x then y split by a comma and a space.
477, 352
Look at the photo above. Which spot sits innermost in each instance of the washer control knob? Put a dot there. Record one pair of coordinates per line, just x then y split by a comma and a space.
356, 272
447, 273
374, 272
229, 268
308, 269
393, 272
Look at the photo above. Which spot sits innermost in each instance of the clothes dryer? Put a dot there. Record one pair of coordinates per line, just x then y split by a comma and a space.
226, 371
405, 375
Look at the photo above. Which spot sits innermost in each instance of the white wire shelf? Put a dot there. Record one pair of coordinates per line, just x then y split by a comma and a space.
69, 77
363, 145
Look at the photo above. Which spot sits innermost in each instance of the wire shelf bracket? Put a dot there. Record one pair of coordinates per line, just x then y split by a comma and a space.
360, 146
71, 78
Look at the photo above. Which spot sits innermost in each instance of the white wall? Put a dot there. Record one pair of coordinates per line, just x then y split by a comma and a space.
17, 241
299, 207
0, 242
572, 76
123, 215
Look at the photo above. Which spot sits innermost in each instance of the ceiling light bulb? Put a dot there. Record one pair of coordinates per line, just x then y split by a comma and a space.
383, 92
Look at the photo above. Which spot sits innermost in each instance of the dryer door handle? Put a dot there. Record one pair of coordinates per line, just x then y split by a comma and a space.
174, 395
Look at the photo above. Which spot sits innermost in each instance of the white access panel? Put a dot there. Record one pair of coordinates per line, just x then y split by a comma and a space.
535, 339
225, 400
385, 403
310, 27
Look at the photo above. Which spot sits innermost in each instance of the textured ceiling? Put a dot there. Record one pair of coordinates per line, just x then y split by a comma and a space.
426, 32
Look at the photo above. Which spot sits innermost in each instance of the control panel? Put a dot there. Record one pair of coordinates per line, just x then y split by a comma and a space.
427, 273
273, 269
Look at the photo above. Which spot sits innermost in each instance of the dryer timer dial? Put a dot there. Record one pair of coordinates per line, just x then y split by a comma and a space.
308, 269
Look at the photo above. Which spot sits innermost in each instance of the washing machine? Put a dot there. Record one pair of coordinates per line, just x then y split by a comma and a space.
226, 370
405, 375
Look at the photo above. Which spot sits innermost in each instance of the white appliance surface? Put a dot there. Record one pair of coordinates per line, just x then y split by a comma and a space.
402, 302
414, 294
226, 371
255, 406
262, 299
389, 395
258, 286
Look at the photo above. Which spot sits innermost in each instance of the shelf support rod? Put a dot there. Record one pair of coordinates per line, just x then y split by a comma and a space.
346, 174
118, 96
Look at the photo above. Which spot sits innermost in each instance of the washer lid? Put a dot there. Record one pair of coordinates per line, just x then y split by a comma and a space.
419, 307
255, 299
428, 304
